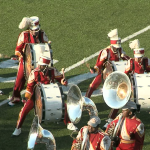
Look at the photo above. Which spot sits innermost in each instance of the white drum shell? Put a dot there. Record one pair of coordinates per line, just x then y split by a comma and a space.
119, 65
36, 52
113, 66
142, 90
52, 101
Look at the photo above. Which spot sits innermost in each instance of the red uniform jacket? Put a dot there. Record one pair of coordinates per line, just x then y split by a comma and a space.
131, 134
95, 141
135, 67
26, 37
45, 78
108, 55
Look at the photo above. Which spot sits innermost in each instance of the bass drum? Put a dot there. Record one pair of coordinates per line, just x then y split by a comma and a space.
32, 53
49, 102
141, 89
111, 66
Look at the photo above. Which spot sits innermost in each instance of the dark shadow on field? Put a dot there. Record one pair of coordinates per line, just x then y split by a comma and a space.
5, 75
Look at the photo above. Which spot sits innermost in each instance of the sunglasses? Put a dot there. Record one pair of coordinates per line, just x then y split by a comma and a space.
37, 30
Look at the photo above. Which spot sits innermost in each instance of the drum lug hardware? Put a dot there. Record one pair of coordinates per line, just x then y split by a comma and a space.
58, 108
52, 114
55, 87
48, 97
141, 99
48, 109
140, 86
58, 96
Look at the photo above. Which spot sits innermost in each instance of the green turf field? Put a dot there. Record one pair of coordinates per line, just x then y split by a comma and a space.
77, 29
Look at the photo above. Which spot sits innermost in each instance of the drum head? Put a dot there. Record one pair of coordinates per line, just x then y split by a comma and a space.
38, 103
27, 61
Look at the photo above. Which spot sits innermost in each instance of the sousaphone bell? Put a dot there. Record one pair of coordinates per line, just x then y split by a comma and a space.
116, 89
76, 104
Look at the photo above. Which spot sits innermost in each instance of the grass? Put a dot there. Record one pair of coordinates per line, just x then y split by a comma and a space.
77, 29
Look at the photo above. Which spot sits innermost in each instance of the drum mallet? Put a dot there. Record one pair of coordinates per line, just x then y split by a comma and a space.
63, 72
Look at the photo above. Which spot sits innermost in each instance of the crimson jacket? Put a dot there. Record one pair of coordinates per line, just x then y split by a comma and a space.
26, 37
136, 67
94, 141
107, 54
47, 77
132, 133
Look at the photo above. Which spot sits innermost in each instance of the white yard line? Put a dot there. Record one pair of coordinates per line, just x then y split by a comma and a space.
74, 80
97, 53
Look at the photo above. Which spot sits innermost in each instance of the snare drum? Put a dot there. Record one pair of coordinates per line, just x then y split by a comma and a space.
49, 102
141, 89
113, 66
32, 52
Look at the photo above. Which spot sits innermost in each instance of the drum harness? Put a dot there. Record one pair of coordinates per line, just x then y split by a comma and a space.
40, 39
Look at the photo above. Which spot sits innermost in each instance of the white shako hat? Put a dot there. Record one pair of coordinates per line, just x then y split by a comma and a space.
135, 46
114, 39
43, 60
30, 22
94, 121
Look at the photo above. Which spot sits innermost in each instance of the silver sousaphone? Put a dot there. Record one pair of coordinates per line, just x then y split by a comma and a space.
39, 135
116, 93
117, 89
76, 104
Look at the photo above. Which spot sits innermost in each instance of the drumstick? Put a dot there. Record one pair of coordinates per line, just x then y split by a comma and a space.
63, 72
87, 64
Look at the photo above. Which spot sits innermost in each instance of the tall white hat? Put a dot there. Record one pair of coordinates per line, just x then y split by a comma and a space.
114, 39
135, 45
43, 60
30, 22
34, 23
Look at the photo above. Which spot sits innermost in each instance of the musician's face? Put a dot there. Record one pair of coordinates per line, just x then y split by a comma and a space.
42, 67
127, 113
138, 59
35, 32
92, 129
115, 49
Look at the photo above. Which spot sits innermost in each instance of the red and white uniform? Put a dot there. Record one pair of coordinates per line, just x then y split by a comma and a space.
36, 76
136, 67
104, 55
24, 37
131, 135
95, 141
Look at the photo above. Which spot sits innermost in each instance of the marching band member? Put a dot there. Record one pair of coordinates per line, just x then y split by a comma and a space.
93, 137
139, 64
130, 134
114, 52
45, 75
33, 34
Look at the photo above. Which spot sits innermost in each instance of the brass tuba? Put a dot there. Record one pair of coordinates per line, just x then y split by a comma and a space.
39, 135
76, 104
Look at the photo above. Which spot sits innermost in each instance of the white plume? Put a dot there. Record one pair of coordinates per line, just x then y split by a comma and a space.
113, 33
134, 44
25, 23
